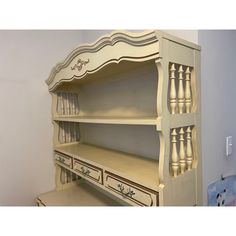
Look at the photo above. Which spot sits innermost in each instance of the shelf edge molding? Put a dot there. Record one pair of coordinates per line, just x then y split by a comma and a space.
112, 120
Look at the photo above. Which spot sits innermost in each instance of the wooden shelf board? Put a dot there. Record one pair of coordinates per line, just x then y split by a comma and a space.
138, 169
145, 120
79, 195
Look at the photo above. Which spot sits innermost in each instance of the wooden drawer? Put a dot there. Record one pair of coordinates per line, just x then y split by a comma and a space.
130, 191
88, 171
65, 160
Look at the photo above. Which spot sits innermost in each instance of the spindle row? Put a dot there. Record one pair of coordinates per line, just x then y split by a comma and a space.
180, 93
67, 176
68, 132
67, 103
182, 153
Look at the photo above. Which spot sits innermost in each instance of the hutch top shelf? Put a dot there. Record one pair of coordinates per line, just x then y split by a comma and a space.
113, 50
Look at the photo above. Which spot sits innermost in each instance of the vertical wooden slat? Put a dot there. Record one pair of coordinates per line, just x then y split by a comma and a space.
65, 176
174, 156
58, 177
182, 159
77, 132
181, 91
60, 138
72, 132
75, 138
73, 103
76, 104
62, 104
70, 104
58, 96
188, 95
67, 104
63, 131
69, 131
189, 152
173, 98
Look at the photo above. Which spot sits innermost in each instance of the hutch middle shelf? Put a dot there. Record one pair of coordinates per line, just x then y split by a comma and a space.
119, 163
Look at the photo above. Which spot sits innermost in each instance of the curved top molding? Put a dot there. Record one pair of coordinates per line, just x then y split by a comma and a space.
113, 48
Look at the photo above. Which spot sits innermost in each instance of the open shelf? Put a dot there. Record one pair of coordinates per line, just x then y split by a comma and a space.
78, 195
138, 169
110, 120
126, 97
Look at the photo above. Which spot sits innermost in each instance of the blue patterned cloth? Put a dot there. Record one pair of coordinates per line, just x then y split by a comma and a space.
222, 192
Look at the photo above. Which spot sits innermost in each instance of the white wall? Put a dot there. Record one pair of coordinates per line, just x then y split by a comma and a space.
218, 87
190, 35
26, 59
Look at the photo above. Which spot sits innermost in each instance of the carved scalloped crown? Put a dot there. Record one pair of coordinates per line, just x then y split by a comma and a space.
113, 48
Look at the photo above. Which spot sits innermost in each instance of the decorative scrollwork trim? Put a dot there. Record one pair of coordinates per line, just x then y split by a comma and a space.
79, 64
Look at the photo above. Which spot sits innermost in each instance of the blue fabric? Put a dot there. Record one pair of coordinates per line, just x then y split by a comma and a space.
222, 192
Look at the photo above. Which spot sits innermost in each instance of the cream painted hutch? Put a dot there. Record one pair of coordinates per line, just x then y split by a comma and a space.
126, 116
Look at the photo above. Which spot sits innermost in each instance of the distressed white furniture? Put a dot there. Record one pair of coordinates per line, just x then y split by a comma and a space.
126, 114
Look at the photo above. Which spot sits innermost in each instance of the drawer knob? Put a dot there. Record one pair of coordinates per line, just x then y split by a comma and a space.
128, 193
84, 171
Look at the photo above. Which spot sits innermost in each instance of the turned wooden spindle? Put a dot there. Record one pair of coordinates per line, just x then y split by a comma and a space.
182, 160
174, 156
189, 152
188, 95
173, 98
181, 91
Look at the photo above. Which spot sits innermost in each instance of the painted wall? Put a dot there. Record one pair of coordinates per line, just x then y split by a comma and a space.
218, 87
26, 60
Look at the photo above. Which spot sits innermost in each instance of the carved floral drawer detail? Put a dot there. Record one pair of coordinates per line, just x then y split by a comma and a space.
127, 190
63, 159
88, 171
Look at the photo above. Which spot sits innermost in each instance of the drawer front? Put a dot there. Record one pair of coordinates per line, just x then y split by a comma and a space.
66, 160
127, 190
88, 171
